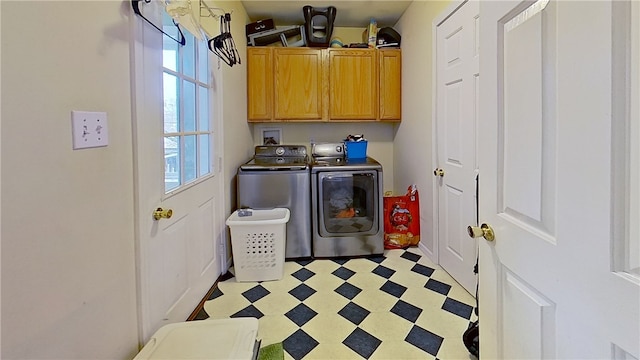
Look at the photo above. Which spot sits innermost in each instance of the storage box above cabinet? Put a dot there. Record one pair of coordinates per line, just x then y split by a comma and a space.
311, 84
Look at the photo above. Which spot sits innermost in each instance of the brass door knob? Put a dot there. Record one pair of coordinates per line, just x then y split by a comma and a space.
160, 213
483, 230
438, 172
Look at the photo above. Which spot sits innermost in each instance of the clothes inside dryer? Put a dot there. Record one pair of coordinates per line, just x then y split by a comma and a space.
348, 203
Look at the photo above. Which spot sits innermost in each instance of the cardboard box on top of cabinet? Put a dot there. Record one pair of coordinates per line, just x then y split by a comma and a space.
402, 220
370, 34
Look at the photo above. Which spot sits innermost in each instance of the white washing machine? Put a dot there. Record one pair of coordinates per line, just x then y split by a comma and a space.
278, 177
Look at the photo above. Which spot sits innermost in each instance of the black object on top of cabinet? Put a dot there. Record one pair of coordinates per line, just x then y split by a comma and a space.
312, 28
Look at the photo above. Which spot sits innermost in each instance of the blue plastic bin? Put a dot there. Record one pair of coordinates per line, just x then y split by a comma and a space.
356, 149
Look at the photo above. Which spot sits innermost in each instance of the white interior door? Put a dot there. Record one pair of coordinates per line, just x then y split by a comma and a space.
457, 54
558, 117
177, 256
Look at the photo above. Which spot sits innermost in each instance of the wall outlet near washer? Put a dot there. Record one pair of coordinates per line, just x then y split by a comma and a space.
89, 129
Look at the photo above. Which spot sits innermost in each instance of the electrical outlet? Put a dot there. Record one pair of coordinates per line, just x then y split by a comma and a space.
89, 129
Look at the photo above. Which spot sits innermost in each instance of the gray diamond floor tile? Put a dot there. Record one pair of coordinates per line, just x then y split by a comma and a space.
303, 274
347, 290
394, 289
410, 256
301, 314
256, 293
438, 286
421, 269
362, 342
456, 307
354, 313
377, 259
299, 344
249, 311
384, 271
343, 273
406, 311
302, 292
425, 340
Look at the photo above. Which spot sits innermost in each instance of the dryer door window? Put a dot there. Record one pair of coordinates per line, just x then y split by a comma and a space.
348, 203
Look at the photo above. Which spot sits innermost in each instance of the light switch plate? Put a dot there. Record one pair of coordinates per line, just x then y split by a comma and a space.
89, 129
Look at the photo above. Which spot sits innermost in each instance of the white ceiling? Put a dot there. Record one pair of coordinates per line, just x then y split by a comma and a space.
350, 13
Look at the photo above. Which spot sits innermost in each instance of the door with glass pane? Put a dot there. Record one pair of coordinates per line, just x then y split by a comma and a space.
180, 226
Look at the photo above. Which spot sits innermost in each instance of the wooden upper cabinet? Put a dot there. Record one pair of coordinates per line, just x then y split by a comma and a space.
298, 79
353, 84
390, 65
312, 84
259, 84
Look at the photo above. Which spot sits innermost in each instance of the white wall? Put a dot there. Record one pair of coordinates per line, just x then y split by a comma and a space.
413, 146
68, 263
379, 136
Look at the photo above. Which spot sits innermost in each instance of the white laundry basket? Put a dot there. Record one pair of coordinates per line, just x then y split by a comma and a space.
258, 240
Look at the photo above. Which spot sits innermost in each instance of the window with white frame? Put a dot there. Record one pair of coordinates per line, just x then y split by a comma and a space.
188, 130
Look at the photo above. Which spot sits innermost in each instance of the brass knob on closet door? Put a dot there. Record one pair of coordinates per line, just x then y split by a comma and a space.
438, 172
161, 213
483, 230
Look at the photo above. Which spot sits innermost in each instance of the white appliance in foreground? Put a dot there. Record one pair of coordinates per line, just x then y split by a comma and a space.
206, 339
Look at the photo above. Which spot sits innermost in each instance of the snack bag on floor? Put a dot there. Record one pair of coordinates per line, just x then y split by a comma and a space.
402, 220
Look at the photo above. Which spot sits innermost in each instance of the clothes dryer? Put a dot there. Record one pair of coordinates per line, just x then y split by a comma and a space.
346, 200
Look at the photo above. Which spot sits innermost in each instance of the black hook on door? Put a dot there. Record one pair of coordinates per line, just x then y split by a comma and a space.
135, 4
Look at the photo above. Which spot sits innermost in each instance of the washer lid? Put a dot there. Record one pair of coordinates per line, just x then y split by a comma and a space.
206, 339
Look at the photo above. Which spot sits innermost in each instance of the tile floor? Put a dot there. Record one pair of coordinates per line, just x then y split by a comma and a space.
396, 306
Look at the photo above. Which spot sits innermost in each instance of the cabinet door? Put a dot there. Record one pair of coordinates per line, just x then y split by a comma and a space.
353, 85
259, 84
390, 65
298, 84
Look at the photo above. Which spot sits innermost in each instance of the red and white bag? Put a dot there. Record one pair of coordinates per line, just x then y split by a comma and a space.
402, 220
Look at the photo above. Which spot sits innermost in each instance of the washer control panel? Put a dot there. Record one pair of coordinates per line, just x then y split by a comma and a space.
280, 151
